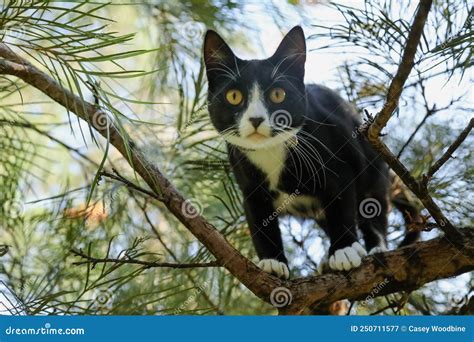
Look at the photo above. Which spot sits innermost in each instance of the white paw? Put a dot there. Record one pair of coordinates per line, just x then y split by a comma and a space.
347, 258
378, 249
323, 265
275, 267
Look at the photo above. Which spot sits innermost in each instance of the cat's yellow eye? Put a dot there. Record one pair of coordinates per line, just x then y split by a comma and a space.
277, 95
234, 96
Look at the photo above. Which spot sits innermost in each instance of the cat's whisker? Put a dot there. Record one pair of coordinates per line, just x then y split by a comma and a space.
231, 70
231, 129
321, 160
306, 157
275, 68
322, 145
319, 122
310, 165
317, 155
296, 167
225, 73
237, 66
306, 148
305, 144
288, 149
284, 77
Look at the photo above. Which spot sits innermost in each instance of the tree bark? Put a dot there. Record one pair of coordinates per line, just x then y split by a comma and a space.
404, 269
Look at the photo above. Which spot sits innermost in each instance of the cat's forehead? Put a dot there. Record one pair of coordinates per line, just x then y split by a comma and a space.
256, 70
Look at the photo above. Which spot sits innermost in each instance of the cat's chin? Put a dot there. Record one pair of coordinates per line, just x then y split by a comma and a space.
258, 141
257, 137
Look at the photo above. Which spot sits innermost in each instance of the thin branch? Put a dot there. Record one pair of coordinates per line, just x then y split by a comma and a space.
410, 138
445, 157
391, 305
29, 125
430, 111
404, 69
129, 184
147, 264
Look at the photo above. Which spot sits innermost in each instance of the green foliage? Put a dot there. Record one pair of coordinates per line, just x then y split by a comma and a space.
141, 64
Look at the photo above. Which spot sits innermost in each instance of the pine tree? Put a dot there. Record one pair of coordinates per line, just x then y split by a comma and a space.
116, 193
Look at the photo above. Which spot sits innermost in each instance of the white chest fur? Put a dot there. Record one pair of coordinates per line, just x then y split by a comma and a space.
271, 161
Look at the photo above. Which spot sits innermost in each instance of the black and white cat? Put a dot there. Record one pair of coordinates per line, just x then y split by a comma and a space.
292, 150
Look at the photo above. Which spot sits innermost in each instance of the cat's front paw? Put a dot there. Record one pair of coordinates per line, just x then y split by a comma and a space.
347, 258
378, 249
274, 267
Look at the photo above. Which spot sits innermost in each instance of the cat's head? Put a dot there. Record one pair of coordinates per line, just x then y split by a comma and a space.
256, 103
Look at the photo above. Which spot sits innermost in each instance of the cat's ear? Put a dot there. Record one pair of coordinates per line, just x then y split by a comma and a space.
216, 51
291, 53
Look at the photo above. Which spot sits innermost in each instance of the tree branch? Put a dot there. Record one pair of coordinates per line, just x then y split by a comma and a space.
147, 264
404, 269
449, 152
129, 184
372, 132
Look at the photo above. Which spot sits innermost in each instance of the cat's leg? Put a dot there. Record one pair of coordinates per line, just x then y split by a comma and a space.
345, 252
266, 235
373, 212
374, 235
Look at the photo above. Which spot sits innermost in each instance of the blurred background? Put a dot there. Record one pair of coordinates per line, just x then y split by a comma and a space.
141, 62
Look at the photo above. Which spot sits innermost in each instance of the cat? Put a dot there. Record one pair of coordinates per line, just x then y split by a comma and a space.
293, 151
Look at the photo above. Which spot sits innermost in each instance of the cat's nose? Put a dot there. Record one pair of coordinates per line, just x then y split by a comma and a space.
256, 121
